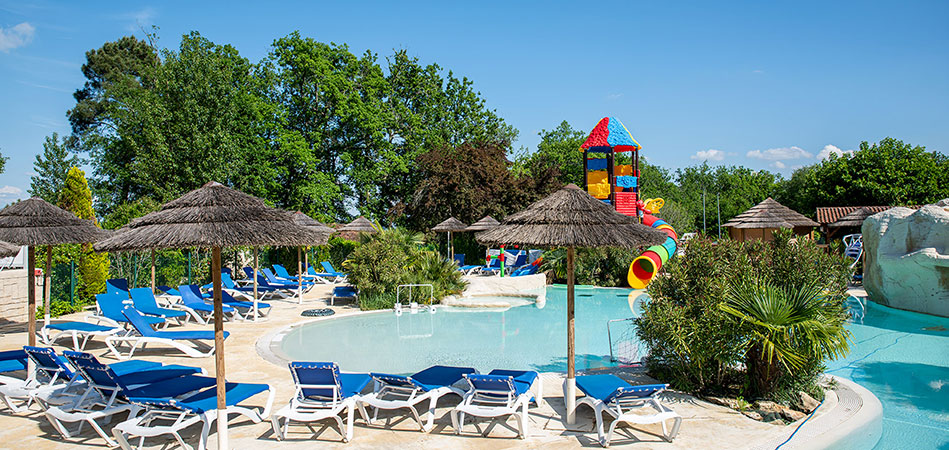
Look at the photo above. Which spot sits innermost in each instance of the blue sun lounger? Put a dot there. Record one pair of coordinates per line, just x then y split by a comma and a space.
284, 289
144, 334
404, 392
11, 361
494, 396
53, 331
244, 308
170, 416
328, 268
319, 276
612, 395
144, 301
110, 310
117, 286
193, 302
322, 392
108, 393
343, 292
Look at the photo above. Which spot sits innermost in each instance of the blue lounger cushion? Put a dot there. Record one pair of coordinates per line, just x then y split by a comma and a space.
111, 306
498, 383
78, 326
144, 301
12, 360
206, 400
327, 374
136, 319
432, 378
524, 377
608, 387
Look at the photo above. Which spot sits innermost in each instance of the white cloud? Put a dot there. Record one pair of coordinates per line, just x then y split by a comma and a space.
757, 71
778, 165
140, 19
709, 155
615, 96
774, 154
10, 190
18, 36
832, 150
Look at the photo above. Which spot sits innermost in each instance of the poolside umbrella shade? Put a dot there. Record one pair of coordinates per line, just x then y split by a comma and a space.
7, 249
448, 226
213, 216
360, 225
35, 222
486, 223
312, 224
571, 218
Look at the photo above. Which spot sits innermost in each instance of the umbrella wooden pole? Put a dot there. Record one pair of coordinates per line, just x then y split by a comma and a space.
570, 386
219, 349
299, 276
451, 248
255, 284
153, 271
31, 295
47, 287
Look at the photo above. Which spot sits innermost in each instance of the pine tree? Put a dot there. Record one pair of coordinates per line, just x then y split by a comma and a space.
51, 168
93, 268
3, 163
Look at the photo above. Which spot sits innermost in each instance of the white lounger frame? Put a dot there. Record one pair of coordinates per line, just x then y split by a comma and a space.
621, 409
142, 426
134, 342
305, 410
386, 396
76, 334
501, 403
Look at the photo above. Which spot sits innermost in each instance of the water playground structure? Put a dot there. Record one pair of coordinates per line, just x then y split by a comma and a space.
619, 185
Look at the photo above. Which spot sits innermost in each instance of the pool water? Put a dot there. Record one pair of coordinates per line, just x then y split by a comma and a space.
903, 358
520, 337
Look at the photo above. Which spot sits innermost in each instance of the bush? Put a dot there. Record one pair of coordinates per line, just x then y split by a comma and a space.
698, 347
593, 266
392, 257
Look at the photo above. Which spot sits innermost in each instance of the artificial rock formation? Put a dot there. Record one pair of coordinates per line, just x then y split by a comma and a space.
906, 262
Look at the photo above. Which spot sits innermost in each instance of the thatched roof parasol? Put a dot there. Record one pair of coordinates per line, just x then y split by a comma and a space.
486, 223
7, 249
361, 225
450, 224
770, 214
212, 216
571, 217
36, 222
304, 220
854, 219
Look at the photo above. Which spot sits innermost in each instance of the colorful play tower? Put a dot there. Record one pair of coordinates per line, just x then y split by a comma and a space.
618, 185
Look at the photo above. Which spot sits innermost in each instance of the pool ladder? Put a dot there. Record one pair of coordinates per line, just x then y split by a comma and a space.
413, 305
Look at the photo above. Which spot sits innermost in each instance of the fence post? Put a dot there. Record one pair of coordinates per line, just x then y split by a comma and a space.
72, 283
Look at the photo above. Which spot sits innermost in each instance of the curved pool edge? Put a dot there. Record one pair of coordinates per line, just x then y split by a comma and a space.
851, 417
268, 345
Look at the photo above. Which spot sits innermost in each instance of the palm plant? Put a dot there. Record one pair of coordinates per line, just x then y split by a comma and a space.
787, 327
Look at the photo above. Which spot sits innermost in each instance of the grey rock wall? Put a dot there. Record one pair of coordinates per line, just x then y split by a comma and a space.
906, 262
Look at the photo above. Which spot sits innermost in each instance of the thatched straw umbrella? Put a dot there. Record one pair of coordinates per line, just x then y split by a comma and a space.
323, 233
360, 225
486, 223
7, 249
760, 221
571, 218
35, 222
448, 226
213, 216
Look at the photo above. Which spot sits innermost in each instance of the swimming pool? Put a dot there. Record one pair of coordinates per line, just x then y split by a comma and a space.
519, 337
903, 358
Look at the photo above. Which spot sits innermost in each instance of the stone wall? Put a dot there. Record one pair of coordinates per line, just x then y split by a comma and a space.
12, 296
906, 262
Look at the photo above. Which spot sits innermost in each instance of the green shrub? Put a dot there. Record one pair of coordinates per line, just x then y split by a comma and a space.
392, 257
697, 346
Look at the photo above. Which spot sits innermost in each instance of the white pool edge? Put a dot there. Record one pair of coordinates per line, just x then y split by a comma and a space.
851, 417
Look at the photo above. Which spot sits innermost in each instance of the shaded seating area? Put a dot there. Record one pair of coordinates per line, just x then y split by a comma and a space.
760, 222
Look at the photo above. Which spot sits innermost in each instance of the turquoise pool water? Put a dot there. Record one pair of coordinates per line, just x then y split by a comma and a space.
903, 358
521, 337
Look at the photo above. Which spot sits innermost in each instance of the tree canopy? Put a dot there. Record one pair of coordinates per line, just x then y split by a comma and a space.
51, 169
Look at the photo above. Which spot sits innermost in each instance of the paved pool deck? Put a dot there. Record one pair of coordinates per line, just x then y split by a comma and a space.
704, 425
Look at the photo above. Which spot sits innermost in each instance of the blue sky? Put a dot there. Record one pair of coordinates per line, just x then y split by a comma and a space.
770, 85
